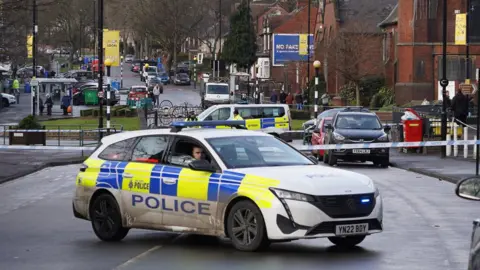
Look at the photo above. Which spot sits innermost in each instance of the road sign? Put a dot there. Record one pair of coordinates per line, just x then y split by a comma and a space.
200, 58
466, 88
100, 94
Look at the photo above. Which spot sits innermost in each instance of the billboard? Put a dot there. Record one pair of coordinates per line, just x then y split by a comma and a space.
111, 46
291, 47
30, 46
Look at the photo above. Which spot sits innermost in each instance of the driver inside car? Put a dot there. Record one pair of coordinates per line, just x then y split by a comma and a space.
198, 153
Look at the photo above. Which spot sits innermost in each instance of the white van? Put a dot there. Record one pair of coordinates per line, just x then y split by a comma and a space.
270, 118
215, 93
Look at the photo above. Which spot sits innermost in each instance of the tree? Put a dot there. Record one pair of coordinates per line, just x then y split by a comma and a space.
240, 44
354, 53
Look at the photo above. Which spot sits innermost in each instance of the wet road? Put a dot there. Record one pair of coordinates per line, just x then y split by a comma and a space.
426, 227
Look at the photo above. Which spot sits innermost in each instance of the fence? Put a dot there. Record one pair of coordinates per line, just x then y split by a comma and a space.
167, 113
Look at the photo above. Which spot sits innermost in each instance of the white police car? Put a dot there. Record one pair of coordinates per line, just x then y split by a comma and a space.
248, 186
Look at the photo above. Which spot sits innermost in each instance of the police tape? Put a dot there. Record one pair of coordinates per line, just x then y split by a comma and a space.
385, 145
60, 130
298, 147
32, 147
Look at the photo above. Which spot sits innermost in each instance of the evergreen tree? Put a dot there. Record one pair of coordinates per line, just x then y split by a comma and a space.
240, 45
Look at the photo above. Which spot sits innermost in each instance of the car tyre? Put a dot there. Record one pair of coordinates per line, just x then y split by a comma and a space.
332, 160
107, 219
5, 103
348, 241
246, 227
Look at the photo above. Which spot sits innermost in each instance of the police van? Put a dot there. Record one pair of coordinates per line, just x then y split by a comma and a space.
274, 119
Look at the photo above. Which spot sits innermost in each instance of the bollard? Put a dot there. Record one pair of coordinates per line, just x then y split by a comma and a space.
465, 146
449, 147
455, 137
156, 118
475, 147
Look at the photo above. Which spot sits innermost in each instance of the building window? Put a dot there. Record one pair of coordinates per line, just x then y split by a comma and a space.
456, 68
420, 70
387, 39
432, 9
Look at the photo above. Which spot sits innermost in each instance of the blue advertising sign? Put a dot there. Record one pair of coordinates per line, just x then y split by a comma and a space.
86, 60
286, 48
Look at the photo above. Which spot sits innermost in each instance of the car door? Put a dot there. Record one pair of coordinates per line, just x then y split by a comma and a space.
192, 198
141, 188
219, 114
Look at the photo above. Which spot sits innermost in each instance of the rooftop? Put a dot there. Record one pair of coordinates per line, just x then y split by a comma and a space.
368, 12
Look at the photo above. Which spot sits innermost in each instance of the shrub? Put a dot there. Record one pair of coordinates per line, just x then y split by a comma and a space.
29, 122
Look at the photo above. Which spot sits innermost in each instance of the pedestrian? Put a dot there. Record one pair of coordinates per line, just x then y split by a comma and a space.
15, 85
299, 100
460, 107
283, 97
274, 97
17, 95
65, 104
41, 107
191, 117
49, 103
156, 95
289, 99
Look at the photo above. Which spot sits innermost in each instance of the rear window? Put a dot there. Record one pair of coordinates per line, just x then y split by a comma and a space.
117, 151
138, 89
261, 112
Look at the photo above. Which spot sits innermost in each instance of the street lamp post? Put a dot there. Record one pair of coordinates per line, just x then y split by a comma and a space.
316, 65
121, 72
34, 39
108, 64
100, 65
444, 80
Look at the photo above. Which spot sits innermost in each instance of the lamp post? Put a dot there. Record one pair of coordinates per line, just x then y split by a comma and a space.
34, 38
444, 80
108, 64
100, 65
121, 72
194, 72
317, 64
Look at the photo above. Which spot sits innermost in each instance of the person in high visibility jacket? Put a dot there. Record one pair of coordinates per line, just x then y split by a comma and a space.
236, 115
191, 117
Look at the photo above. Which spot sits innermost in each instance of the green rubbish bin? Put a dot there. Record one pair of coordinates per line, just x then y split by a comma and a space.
140, 103
90, 96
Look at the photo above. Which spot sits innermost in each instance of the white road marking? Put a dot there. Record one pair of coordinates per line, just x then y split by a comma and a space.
138, 257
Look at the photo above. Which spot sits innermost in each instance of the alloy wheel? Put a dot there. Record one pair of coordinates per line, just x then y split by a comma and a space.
244, 227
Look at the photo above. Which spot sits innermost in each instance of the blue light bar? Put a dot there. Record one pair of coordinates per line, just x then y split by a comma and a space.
208, 123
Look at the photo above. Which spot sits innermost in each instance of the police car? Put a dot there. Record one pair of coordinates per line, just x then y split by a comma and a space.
245, 185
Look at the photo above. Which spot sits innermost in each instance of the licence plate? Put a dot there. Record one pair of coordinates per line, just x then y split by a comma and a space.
351, 229
361, 151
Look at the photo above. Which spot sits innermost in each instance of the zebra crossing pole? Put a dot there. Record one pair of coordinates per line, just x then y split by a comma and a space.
108, 63
316, 65
195, 72
121, 72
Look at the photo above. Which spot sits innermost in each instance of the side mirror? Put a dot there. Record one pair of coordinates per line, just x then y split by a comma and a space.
316, 130
313, 159
387, 128
469, 189
329, 127
201, 165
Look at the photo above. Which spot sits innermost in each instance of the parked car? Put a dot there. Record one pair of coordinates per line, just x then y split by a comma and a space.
469, 189
318, 136
129, 58
327, 113
164, 78
154, 81
8, 99
138, 92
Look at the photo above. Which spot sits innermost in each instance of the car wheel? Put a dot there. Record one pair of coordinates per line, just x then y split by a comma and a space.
320, 157
332, 160
348, 241
106, 219
246, 227
5, 103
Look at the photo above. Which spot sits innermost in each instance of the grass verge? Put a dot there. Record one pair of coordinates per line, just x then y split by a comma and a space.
128, 123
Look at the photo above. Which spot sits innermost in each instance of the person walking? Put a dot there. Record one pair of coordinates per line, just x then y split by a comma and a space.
15, 85
460, 108
274, 97
283, 97
156, 95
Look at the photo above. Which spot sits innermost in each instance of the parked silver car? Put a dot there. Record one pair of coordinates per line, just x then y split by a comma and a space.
469, 189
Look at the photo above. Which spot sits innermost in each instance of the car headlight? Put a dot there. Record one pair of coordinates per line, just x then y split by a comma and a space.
338, 137
290, 195
383, 138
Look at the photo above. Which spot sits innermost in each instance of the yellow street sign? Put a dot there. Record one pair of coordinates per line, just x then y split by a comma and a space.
461, 29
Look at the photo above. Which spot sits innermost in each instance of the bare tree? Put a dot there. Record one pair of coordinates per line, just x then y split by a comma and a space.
168, 23
355, 54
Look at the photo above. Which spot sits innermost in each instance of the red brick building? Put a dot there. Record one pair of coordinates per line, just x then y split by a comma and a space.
414, 64
349, 42
295, 22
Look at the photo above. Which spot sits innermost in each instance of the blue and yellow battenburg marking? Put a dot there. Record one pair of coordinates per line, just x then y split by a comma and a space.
256, 124
178, 182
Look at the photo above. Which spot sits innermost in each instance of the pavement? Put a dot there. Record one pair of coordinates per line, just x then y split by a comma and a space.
426, 228
448, 169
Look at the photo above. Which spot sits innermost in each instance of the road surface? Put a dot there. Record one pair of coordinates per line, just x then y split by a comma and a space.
426, 228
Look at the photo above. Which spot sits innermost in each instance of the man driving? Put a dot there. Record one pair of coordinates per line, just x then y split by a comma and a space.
198, 153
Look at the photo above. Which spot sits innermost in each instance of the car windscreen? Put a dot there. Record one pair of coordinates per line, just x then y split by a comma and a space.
163, 74
216, 89
182, 75
154, 81
256, 151
357, 121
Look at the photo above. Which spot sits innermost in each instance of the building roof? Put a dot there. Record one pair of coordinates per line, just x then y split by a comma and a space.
392, 18
368, 12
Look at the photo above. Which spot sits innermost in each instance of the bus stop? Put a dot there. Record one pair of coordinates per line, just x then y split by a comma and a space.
57, 89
